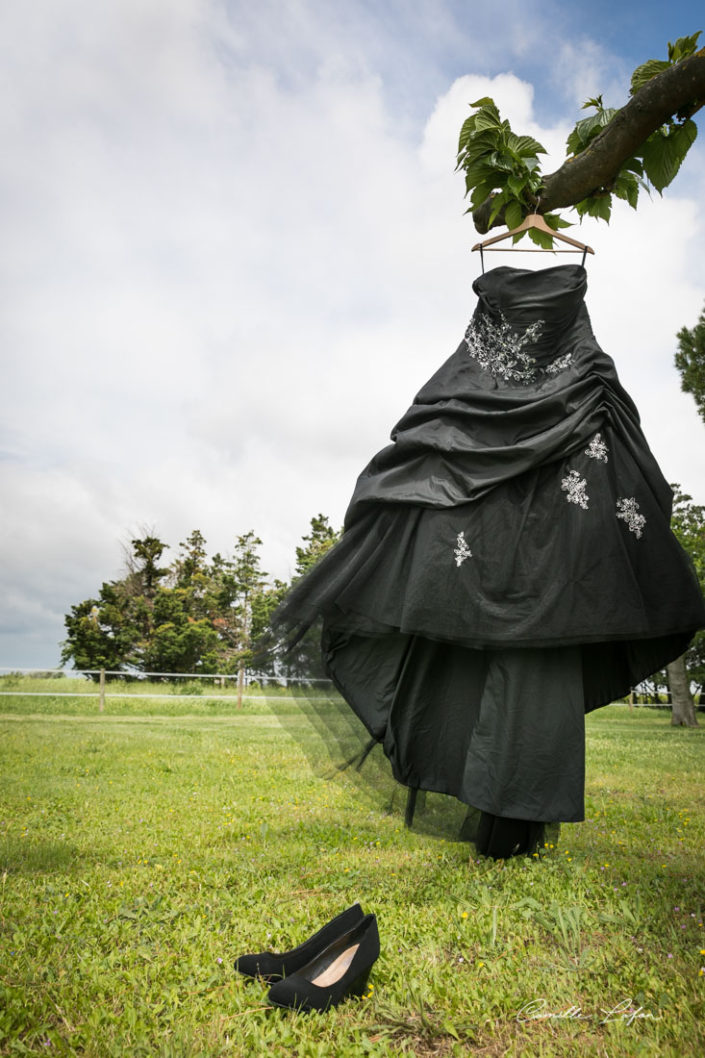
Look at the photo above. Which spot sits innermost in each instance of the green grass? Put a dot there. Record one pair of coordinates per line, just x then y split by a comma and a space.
141, 853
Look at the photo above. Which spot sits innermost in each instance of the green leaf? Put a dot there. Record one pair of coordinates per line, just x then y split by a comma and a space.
481, 143
684, 47
634, 165
477, 172
626, 186
513, 214
587, 129
525, 146
541, 238
481, 192
647, 70
486, 101
602, 207
599, 206
663, 154
554, 221
497, 203
466, 131
687, 134
487, 119
573, 143
517, 185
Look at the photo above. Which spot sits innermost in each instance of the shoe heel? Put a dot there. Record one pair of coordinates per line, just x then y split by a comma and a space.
359, 985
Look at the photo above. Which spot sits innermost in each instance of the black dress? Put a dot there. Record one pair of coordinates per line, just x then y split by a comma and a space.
507, 562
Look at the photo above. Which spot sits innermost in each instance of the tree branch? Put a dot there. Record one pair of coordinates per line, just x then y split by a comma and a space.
679, 88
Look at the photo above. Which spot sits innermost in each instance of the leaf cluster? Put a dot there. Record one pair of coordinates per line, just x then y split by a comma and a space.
502, 166
498, 163
658, 159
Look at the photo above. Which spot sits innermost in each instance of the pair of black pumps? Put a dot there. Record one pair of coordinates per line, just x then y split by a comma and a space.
323, 971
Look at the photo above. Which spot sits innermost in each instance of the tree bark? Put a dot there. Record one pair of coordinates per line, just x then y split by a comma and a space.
679, 88
682, 706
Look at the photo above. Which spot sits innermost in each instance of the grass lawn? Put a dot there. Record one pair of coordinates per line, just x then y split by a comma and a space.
143, 849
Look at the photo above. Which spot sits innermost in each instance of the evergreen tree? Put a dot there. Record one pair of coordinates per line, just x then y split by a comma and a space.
195, 615
688, 524
304, 660
315, 544
690, 361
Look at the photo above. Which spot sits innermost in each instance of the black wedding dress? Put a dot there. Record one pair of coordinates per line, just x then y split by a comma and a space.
507, 563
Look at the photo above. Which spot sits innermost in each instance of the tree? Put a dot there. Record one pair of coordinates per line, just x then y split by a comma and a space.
610, 152
195, 615
100, 632
315, 544
690, 361
688, 524
304, 659
240, 579
142, 563
186, 617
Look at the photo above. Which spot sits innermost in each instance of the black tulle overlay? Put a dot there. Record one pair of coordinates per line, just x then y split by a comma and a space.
507, 563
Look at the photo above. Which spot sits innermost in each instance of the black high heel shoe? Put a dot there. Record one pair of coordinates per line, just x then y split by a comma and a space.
272, 966
341, 970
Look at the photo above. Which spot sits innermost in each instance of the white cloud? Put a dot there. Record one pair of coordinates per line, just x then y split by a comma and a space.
231, 266
584, 69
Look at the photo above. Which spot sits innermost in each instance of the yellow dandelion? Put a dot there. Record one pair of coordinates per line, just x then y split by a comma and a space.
465, 915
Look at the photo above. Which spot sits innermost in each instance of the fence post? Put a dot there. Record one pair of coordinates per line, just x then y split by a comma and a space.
101, 697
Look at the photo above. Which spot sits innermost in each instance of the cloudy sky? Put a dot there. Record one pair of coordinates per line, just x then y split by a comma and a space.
234, 248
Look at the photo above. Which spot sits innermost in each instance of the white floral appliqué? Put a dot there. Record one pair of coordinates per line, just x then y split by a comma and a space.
462, 551
558, 365
575, 488
628, 511
597, 449
500, 350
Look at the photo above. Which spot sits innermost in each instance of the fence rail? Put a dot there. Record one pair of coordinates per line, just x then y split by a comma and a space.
138, 675
101, 694
280, 681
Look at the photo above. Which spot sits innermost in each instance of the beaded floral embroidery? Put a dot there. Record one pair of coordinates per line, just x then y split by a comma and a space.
501, 350
575, 488
559, 364
627, 510
597, 449
462, 551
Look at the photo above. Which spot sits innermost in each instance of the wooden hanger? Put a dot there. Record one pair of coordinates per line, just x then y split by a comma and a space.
532, 220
